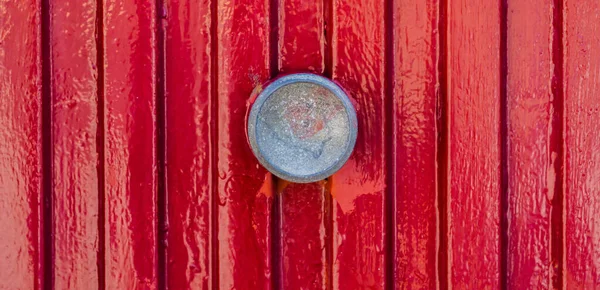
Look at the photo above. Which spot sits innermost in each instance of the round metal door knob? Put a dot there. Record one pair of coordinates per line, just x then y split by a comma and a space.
302, 127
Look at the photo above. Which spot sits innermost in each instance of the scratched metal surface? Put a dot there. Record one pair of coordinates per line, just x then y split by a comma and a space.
124, 162
302, 128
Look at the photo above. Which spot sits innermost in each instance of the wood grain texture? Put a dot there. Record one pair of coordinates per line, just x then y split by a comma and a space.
190, 122
478, 123
304, 236
581, 43
303, 219
75, 138
415, 73
244, 187
129, 141
21, 245
533, 134
473, 161
358, 188
301, 36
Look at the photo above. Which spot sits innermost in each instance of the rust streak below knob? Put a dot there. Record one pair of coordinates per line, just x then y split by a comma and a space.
302, 127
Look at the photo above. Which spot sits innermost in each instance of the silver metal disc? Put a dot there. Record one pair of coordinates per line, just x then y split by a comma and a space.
302, 127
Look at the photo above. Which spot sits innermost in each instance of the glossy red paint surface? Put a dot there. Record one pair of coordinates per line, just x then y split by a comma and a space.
244, 189
76, 144
534, 154
305, 243
305, 215
21, 245
190, 186
473, 168
129, 145
416, 89
358, 188
301, 35
476, 164
581, 42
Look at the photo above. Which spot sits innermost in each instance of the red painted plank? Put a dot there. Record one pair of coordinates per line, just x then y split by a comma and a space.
533, 144
582, 142
303, 218
304, 235
130, 171
75, 146
415, 46
244, 187
21, 245
358, 188
189, 150
301, 36
473, 172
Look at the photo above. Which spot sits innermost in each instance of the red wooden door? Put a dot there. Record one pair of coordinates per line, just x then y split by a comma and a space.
124, 162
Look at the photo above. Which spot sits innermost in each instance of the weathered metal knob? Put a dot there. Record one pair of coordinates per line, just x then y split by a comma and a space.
302, 127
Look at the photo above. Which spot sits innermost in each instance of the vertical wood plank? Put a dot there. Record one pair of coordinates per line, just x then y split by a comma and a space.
21, 245
415, 71
473, 169
75, 134
301, 42
189, 124
303, 218
244, 187
358, 188
582, 143
303, 235
130, 162
533, 144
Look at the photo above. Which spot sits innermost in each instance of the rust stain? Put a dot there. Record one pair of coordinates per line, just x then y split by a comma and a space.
266, 187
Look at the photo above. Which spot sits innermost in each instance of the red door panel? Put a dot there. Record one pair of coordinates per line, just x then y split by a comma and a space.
358, 189
190, 190
124, 162
77, 145
415, 61
304, 210
473, 158
243, 188
581, 87
130, 182
534, 104
22, 247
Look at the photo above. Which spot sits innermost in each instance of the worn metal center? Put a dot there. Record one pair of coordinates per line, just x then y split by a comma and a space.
302, 127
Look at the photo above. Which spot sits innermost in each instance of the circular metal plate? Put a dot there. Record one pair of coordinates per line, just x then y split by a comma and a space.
302, 127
